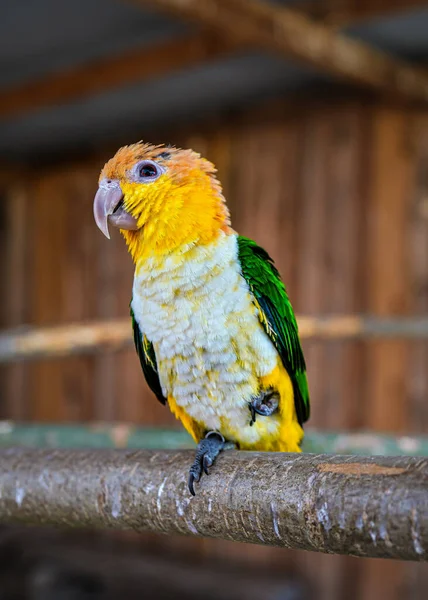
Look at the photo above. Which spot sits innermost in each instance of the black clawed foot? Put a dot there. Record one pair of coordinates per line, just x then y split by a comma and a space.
208, 450
265, 404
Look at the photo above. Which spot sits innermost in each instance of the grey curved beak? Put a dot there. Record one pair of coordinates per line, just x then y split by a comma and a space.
106, 200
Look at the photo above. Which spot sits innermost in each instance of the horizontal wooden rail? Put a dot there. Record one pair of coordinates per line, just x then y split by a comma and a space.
344, 13
126, 435
362, 506
293, 35
236, 27
79, 338
139, 65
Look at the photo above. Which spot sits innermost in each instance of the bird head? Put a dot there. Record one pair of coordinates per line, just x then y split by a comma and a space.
161, 198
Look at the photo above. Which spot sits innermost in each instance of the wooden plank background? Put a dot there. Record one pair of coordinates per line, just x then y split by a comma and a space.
338, 194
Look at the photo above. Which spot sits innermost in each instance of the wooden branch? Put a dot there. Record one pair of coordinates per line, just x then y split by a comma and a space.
125, 435
275, 28
341, 13
65, 340
78, 338
100, 76
347, 505
293, 35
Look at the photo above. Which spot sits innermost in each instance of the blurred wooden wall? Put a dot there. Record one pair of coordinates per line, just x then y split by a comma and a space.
337, 192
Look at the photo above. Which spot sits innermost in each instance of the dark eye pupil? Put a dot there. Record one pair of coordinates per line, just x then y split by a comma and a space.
148, 171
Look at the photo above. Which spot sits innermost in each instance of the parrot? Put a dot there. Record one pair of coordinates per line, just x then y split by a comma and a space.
213, 326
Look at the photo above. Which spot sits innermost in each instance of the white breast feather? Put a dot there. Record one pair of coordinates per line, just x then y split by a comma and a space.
197, 310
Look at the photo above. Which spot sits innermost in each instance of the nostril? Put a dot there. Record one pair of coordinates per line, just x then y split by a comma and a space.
109, 183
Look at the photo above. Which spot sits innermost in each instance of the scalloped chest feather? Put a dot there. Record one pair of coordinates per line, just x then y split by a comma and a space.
196, 309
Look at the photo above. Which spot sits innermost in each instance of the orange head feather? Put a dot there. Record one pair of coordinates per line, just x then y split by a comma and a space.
164, 198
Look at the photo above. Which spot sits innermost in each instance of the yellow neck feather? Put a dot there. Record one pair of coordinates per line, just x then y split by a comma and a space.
174, 216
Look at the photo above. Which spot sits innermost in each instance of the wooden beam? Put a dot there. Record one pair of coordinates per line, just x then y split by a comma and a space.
363, 506
293, 35
136, 66
341, 13
77, 338
273, 27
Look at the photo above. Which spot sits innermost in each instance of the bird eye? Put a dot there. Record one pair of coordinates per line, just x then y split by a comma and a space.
148, 171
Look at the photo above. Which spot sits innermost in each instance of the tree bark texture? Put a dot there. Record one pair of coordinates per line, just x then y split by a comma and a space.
364, 506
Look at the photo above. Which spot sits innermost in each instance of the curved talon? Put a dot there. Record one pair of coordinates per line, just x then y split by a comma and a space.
190, 482
253, 414
206, 463
206, 453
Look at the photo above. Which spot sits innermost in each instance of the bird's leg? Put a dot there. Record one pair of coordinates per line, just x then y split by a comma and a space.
208, 450
265, 404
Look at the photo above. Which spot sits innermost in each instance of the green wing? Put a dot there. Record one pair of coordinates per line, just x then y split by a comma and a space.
277, 317
148, 362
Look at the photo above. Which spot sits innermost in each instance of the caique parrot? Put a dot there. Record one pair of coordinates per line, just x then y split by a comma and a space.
213, 326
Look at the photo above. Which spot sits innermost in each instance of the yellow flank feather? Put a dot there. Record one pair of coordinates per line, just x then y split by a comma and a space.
288, 434
195, 429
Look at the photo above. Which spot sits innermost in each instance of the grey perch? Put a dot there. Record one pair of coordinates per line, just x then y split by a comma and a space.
364, 506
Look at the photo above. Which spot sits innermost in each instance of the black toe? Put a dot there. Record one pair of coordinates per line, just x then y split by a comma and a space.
206, 453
